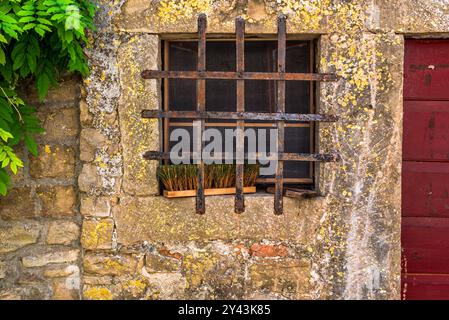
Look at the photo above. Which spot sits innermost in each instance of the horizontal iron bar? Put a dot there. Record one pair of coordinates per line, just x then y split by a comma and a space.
327, 157
230, 75
238, 115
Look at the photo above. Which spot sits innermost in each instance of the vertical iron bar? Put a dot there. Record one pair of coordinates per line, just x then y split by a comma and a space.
201, 106
279, 186
240, 137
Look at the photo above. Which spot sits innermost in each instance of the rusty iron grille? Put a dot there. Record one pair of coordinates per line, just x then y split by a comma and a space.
201, 75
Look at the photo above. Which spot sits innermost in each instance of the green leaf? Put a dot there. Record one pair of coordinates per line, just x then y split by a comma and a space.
25, 13
5, 135
9, 31
7, 18
5, 162
43, 83
2, 56
27, 19
39, 30
3, 39
32, 62
29, 26
18, 62
31, 145
13, 167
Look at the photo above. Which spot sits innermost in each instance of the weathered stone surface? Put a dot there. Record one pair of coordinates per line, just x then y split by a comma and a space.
138, 136
61, 271
180, 17
61, 291
158, 263
97, 280
97, 293
66, 92
289, 278
163, 220
130, 287
52, 256
59, 124
95, 206
18, 235
97, 234
3, 269
18, 204
90, 140
353, 232
109, 264
89, 178
268, 250
67, 288
57, 201
54, 161
62, 232
166, 286
86, 117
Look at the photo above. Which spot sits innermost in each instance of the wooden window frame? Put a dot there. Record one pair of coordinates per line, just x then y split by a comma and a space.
279, 117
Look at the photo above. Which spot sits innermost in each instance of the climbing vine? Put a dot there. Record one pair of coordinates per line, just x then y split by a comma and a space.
39, 39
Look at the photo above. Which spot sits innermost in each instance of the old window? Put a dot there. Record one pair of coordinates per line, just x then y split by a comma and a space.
242, 84
260, 95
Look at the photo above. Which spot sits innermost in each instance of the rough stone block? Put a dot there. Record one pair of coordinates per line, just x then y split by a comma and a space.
52, 256
3, 269
97, 234
54, 161
89, 178
86, 117
158, 263
108, 264
268, 250
95, 206
62, 232
59, 124
58, 271
290, 278
90, 140
157, 219
18, 235
166, 286
62, 291
139, 53
18, 204
57, 200
97, 293
67, 91
97, 280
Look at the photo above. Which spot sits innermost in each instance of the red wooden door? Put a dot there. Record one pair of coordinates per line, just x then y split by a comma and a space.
425, 171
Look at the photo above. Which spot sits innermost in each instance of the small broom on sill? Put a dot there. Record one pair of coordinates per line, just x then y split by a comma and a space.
217, 178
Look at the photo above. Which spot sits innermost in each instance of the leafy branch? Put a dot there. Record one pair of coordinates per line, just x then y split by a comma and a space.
39, 39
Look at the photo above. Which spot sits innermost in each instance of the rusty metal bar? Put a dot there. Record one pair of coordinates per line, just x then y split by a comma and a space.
240, 136
260, 116
201, 107
279, 185
314, 157
231, 75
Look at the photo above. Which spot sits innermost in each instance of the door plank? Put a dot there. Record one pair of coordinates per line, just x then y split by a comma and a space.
425, 189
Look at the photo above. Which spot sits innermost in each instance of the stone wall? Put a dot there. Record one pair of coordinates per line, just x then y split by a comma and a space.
40, 223
139, 245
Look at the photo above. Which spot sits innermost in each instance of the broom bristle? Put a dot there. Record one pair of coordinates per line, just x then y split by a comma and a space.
184, 176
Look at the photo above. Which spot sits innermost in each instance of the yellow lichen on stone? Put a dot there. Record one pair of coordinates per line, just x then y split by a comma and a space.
98, 293
196, 266
170, 11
